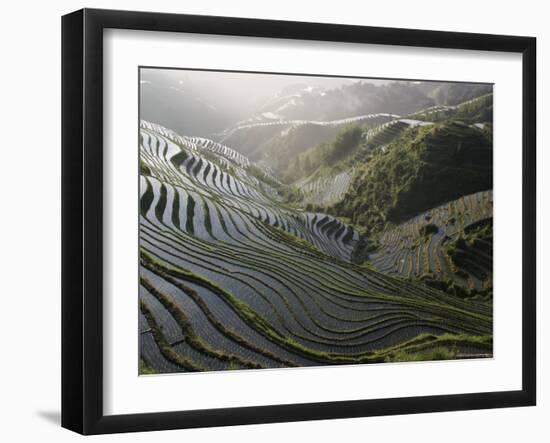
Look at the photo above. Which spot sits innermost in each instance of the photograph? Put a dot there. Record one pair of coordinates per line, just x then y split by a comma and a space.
298, 220
267, 222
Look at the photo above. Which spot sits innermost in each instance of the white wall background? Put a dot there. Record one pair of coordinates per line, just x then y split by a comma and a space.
30, 219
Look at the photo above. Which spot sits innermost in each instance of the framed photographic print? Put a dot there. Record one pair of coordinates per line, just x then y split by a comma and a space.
270, 221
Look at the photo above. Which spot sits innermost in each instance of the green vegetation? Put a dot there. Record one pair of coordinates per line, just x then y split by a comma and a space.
424, 167
443, 347
456, 93
453, 288
279, 144
476, 111
429, 229
415, 250
479, 110
327, 155
261, 175
291, 194
143, 168
488, 131
438, 353
382, 137
144, 369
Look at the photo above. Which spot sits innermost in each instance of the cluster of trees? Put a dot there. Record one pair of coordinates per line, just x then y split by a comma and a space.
480, 110
327, 155
421, 169
455, 93
365, 97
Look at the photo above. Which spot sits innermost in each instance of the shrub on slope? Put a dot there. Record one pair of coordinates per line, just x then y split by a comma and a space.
422, 169
476, 111
282, 151
279, 144
456, 93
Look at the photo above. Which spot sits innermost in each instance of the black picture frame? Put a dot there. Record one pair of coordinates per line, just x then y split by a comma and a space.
82, 215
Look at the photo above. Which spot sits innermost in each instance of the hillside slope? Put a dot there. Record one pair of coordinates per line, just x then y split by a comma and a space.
232, 278
441, 244
421, 169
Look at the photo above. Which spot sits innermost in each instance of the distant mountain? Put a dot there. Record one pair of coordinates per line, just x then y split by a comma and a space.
301, 116
449, 247
305, 102
201, 103
349, 100
455, 93
188, 105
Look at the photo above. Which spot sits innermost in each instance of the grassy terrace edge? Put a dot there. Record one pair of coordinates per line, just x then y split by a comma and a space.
447, 345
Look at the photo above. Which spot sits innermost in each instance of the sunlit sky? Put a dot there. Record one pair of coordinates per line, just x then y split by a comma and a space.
246, 86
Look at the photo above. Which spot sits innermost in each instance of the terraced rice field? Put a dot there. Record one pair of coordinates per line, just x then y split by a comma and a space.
231, 278
286, 125
382, 135
325, 191
411, 250
446, 111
